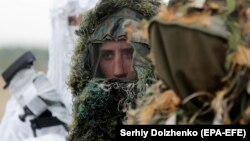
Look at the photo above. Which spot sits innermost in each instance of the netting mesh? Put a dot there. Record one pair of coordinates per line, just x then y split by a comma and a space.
96, 110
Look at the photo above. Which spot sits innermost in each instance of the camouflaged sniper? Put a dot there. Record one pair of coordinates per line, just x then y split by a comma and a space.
99, 103
81, 63
200, 49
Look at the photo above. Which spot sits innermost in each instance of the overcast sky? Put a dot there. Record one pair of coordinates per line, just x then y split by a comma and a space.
24, 22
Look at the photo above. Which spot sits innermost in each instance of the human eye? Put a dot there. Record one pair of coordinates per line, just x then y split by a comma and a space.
128, 52
107, 55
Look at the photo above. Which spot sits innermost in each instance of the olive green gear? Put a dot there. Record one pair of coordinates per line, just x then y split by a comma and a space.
80, 69
229, 103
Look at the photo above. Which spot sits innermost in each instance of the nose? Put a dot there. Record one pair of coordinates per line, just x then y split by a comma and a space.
119, 70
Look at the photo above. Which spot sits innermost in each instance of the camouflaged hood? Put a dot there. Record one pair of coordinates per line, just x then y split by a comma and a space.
95, 28
97, 102
200, 49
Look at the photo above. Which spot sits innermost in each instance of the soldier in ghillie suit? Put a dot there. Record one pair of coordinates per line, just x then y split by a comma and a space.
109, 69
200, 50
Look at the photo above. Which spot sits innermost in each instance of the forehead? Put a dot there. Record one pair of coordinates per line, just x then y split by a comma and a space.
112, 45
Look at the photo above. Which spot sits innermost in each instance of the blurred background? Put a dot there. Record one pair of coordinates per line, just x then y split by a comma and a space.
24, 26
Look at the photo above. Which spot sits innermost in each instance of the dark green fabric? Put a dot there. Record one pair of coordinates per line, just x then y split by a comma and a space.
194, 58
188, 60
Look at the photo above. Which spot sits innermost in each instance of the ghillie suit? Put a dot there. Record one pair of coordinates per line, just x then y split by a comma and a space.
200, 50
100, 104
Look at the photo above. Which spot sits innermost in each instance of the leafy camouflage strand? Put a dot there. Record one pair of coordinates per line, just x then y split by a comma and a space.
145, 77
230, 104
80, 69
96, 112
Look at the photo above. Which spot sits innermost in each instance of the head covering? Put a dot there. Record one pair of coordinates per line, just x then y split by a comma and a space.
96, 101
62, 43
81, 66
200, 50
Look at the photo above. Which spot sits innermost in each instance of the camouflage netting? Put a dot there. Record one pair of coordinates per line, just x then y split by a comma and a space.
80, 71
99, 104
100, 108
184, 64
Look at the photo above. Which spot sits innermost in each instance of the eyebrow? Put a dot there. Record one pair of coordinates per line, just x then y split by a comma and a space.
106, 50
127, 49
123, 49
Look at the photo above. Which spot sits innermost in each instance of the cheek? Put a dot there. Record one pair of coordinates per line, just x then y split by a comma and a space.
127, 63
129, 69
106, 68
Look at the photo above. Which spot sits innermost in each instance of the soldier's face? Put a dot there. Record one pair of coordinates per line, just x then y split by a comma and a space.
116, 60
